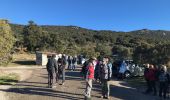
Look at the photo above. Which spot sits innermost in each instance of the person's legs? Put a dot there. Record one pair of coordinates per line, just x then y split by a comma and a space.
108, 89
160, 89
153, 85
104, 88
63, 77
48, 79
88, 88
150, 86
53, 79
102, 83
71, 66
57, 77
147, 83
68, 66
154, 88
165, 89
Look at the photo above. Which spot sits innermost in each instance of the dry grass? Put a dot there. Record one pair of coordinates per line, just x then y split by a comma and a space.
25, 56
23, 59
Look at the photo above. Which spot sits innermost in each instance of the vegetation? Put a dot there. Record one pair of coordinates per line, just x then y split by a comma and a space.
141, 45
6, 42
9, 79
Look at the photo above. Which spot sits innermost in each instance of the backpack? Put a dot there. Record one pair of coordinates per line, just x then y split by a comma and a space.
164, 77
84, 70
60, 65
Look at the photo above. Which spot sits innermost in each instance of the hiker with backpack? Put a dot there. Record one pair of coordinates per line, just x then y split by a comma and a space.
61, 68
89, 79
52, 68
84, 69
164, 81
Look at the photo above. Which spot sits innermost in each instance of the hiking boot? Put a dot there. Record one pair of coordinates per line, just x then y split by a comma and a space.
107, 97
87, 98
102, 97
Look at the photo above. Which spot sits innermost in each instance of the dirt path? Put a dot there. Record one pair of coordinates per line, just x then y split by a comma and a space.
35, 88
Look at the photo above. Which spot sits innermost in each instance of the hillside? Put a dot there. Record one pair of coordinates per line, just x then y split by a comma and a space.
76, 40
156, 35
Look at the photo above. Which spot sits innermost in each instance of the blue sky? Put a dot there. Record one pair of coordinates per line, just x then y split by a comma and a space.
116, 15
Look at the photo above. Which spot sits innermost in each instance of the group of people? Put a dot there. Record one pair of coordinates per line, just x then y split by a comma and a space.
55, 69
72, 62
99, 71
154, 75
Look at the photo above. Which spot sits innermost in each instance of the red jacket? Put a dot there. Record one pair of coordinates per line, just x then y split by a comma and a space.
152, 74
91, 72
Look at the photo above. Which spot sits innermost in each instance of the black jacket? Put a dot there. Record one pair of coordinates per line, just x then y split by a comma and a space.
52, 65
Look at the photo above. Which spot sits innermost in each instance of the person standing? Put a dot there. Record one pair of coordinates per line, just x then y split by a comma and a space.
61, 68
97, 71
164, 80
106, 74
52, 68
69, 62
74, 61
152, 78
89, 79
146, 76
122, 70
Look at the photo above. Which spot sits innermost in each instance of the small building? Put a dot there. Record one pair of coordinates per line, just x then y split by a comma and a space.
41, 57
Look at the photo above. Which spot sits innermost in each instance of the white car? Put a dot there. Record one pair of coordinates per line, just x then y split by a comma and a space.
130, 69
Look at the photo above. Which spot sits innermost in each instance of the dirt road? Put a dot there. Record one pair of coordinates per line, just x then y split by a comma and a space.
35, 88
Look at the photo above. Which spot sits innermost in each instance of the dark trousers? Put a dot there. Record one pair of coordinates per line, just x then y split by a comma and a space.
73, 66
57, 76
50, 78
153, 86
62, 73
149, 88
105, 88
163, 88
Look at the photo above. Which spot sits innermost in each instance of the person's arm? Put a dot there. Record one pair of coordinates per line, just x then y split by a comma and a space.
110, 69
55, 65
168, 77
105, 69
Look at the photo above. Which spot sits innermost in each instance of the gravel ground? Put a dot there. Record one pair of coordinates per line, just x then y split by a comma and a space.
35, 88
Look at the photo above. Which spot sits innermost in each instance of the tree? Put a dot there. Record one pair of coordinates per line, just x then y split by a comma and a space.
103, 48
6, 42
34, 36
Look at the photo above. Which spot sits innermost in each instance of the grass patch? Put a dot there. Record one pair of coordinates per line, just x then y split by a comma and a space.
9, 79
23, 59
136, 81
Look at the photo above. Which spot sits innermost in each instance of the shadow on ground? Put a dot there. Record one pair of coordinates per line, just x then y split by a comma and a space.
44, 92
39, 89
25, 62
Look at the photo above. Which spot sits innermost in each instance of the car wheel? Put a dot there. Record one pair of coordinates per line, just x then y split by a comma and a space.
127, 74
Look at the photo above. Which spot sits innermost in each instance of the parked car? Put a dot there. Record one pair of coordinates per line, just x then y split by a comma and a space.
129, 68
